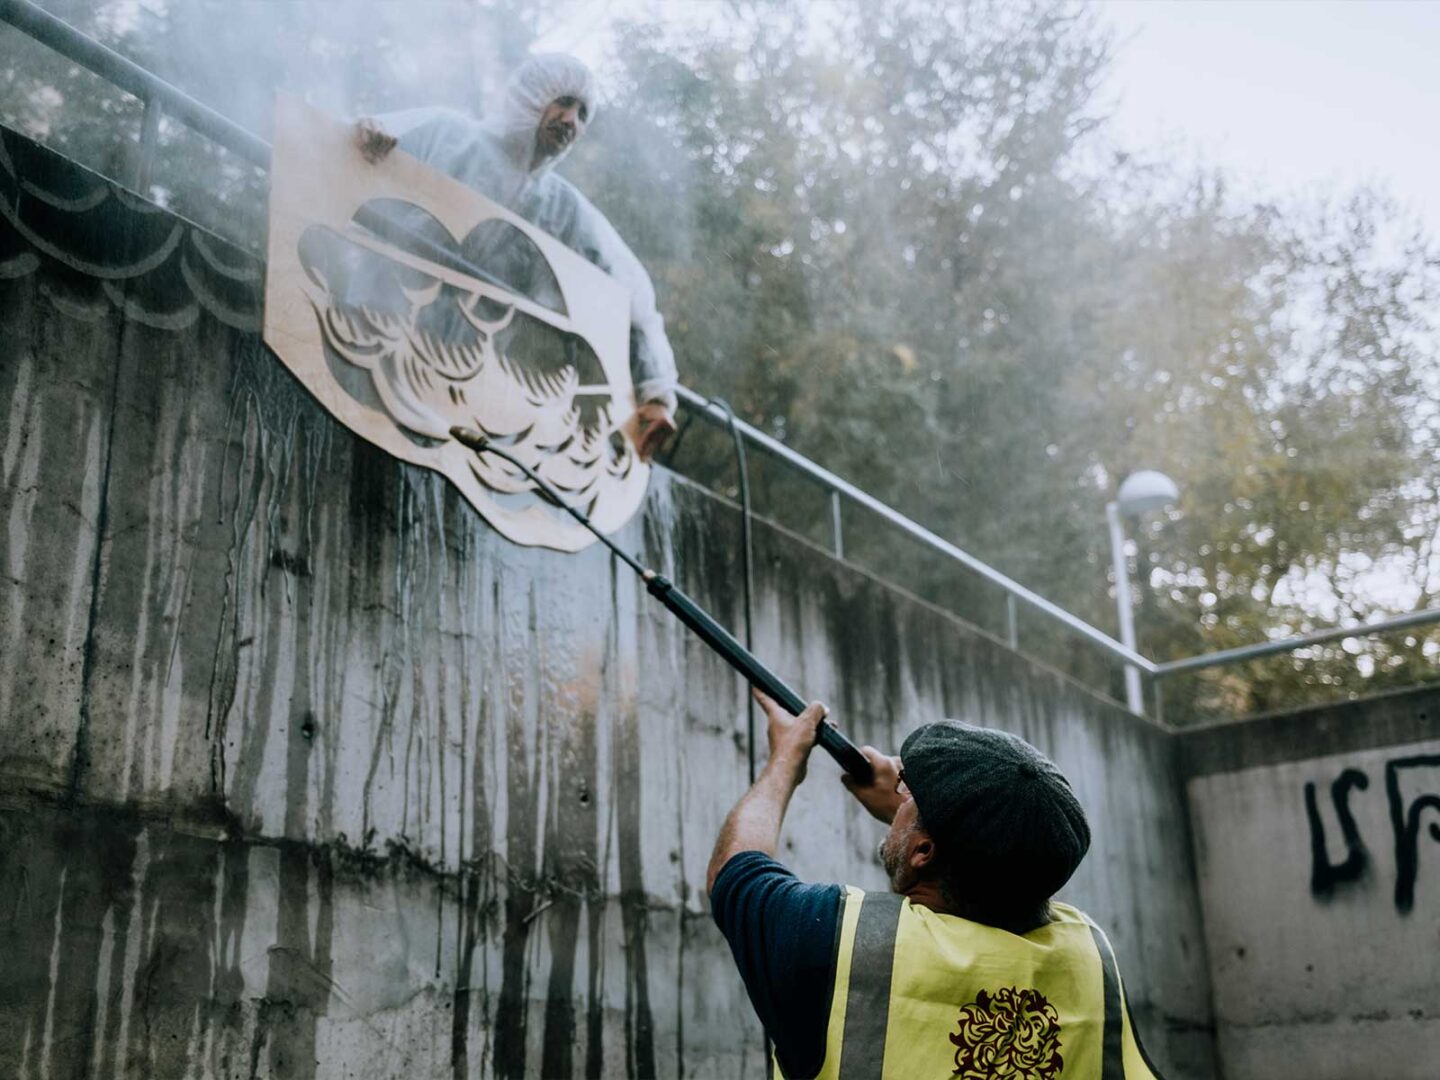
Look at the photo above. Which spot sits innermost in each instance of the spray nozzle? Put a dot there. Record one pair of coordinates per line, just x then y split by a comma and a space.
470, 437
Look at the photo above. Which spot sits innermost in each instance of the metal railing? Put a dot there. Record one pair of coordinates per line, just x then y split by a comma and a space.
1259, 650
161, 98
840, 489
157, 95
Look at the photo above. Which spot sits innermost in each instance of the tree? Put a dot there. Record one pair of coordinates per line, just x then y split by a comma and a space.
899, 238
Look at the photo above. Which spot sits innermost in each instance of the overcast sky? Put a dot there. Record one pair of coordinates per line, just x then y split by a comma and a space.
1289, 95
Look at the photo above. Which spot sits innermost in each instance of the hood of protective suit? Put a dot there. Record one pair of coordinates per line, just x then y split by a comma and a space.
532, 87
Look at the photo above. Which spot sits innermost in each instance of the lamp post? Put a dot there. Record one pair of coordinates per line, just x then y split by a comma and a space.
1140, 493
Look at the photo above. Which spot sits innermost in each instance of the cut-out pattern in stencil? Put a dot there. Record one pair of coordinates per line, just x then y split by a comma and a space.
408, 303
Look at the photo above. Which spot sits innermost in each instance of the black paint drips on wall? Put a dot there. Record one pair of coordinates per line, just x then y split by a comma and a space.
293, 637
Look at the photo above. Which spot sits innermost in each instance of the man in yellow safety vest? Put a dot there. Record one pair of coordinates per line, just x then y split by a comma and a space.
967, 967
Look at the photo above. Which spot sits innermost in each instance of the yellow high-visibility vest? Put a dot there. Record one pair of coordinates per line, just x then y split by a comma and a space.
924, 996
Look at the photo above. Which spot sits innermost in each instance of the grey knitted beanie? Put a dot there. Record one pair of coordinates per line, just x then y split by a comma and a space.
996, 807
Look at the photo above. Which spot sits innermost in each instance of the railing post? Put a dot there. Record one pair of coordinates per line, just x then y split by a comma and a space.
1012, 621
30, 18
835, 525
145, 151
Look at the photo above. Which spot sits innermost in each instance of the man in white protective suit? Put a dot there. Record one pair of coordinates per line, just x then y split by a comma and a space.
510, 158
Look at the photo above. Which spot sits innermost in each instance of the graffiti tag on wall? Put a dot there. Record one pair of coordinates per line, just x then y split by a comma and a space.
1405, 823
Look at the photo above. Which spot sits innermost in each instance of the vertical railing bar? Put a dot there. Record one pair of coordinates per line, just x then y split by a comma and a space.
1158, 696
149, 138
836, 526
1012, 621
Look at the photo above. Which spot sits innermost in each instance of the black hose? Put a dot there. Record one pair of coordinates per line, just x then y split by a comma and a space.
742, 468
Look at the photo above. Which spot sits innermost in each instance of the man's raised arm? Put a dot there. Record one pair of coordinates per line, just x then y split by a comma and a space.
754, 823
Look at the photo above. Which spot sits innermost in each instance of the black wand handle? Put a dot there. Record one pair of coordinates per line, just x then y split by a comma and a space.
846, 753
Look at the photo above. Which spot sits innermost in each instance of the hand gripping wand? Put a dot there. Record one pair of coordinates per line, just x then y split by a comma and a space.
697, 619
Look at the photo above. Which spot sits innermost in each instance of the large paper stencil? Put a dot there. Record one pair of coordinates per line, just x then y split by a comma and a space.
408, 303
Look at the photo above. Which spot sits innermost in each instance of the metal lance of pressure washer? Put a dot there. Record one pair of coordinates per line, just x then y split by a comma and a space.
846, 753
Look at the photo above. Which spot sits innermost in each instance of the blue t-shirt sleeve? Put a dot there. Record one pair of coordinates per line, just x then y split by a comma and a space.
783, 934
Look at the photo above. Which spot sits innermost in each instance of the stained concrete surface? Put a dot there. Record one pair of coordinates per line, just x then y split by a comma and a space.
304, 772
1318, 846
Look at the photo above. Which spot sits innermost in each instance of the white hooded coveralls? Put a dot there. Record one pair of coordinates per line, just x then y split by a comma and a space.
494, 157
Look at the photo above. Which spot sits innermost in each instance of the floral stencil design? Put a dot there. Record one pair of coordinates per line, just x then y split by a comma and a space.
1008, 1035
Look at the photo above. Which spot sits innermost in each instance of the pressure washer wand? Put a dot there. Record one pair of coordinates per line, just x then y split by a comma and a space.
846, 753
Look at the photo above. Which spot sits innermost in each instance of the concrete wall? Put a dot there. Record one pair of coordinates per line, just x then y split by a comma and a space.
305, 773
1317, 839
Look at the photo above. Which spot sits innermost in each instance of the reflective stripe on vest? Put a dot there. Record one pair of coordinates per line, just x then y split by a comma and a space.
920, 995
862, 1051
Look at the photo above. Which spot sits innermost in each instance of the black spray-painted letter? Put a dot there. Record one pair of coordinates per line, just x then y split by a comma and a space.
1406, 823
1325, 875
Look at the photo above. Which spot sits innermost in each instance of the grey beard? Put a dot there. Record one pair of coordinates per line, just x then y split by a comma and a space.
889, 859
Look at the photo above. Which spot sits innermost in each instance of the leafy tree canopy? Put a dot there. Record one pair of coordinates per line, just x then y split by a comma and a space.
899, 237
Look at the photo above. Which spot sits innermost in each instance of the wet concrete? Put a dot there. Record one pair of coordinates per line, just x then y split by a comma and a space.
305, 772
